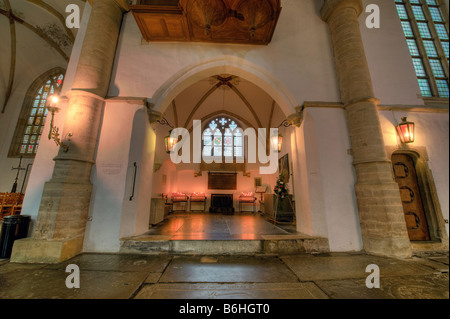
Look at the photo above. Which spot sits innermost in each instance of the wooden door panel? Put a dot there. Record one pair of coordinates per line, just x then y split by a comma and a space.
406, 177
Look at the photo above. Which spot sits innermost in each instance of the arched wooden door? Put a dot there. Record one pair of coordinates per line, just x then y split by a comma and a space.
406, 177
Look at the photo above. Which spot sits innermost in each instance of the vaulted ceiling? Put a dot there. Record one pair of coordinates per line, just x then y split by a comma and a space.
226, 95
29, 26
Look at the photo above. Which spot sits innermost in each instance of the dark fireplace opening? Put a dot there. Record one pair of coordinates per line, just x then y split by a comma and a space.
222, 204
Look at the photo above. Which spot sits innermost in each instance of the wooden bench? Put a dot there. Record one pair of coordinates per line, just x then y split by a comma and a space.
247, 198
197, 198
179, 198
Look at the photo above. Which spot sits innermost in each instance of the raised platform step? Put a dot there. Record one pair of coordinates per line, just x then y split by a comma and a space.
269, 244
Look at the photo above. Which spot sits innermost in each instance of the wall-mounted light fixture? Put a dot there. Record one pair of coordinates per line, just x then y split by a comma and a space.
277, 143
170, 143
54, 131
406, 131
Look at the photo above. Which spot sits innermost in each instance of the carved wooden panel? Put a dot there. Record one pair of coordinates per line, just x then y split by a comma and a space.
224, 181
219, 21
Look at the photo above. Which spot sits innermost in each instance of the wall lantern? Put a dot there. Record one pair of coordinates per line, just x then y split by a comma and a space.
277, 143
406, 131
170, 143
54, 131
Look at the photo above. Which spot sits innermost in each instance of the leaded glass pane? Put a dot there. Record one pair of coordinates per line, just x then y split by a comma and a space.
445, 47
430, 48
228, 151
442, 31
413, 47
436, 66
218, 151
418, 66
436, 14
402, 11
442, 86
424, 87
424, 30
407, 29
418, 13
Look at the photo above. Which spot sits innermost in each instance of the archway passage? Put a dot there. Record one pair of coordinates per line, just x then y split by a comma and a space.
406, 177
227, 106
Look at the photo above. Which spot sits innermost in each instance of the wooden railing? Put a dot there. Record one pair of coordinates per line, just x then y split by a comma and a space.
10, 204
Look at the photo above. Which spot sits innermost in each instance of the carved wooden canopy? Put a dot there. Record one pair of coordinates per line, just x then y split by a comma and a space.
220, 21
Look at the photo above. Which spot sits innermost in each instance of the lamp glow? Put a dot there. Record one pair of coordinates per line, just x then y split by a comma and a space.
406, 131
170, 143
277, 143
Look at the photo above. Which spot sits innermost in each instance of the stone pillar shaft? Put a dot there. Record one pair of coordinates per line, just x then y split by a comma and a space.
61, 222
383, 227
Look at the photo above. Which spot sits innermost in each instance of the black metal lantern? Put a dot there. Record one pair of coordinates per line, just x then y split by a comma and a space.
170, 143
406, 131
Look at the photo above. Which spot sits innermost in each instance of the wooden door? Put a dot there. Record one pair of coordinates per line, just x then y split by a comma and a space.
406, 177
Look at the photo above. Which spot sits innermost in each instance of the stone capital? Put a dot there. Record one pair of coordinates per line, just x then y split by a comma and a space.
296, 119
153, 116
332, 6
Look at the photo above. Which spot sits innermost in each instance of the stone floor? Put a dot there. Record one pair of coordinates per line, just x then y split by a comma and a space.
205, 226
181, 277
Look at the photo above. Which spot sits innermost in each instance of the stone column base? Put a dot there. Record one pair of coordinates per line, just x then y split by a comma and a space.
387, 247
39, 251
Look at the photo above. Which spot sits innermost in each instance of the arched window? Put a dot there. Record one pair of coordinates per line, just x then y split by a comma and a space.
223, 138
34, 113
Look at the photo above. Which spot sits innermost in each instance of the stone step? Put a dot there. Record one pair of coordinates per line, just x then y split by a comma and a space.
273, 245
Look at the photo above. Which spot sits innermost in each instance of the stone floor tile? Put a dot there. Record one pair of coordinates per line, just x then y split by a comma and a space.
228, 269
252, 291
152, 278
432, 263
117, 262
51, 284
327, 267
443, 259
404, 287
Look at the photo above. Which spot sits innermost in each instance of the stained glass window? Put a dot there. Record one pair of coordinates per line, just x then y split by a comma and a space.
34, 114
223, 138
426, 34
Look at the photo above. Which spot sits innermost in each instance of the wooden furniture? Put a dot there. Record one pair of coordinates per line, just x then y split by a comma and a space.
219, 21
279, 210
157, 213
222, 204
168, 206
179, 198
261, 190
247, 199
197, 198
10, 204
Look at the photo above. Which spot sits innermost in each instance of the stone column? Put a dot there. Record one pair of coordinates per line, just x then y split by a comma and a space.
61, 222
382, 221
